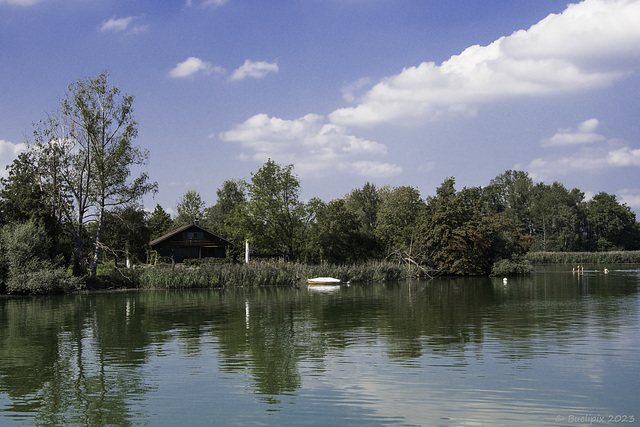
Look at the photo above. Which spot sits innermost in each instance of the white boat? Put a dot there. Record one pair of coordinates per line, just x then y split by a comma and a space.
324, 281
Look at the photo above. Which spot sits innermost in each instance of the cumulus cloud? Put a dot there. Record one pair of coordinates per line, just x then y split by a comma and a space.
611, 156
8, 153
630, 197
249, 69
582, 149
192, 66
316, 147
585, 133
591, 44
256, 70
350, 90
122, 24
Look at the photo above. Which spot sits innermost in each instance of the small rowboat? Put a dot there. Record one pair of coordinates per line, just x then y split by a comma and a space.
324, 281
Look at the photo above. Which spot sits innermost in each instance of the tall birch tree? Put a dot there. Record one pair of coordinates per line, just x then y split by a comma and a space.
85, 156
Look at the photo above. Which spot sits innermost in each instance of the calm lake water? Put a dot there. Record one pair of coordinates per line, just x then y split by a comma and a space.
550, 349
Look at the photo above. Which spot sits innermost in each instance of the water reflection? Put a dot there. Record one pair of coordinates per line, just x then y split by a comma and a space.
410, 352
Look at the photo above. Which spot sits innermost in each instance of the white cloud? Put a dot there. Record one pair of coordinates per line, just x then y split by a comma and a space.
590, 45
593, 159
589, 126
630, 197
8, 153
317, 148
621, 157
193, 65
584, 134
117, 24
349, 91
256, 70
122, 24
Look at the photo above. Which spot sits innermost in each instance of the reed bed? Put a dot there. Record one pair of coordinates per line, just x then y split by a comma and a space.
217, 275
614, 257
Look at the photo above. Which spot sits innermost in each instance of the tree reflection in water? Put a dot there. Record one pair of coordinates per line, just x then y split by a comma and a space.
91, 359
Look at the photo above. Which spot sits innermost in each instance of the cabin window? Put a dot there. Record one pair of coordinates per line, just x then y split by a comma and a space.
193, 236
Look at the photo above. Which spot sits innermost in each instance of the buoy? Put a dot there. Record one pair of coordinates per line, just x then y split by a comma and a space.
504, 281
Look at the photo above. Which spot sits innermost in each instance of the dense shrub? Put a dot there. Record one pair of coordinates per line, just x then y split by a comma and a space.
27, 265
45, 280
509, 267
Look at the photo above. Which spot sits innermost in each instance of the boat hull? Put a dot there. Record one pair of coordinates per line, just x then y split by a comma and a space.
324, 281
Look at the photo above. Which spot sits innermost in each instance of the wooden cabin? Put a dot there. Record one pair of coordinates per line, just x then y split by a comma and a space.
190, 242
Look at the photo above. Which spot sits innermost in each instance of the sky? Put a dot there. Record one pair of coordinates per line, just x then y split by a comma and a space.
392, 92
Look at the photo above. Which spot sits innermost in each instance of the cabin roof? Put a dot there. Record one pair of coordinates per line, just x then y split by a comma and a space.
179, 230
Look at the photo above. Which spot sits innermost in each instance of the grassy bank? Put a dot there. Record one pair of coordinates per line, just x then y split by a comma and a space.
257, 274
616, 257
262, 274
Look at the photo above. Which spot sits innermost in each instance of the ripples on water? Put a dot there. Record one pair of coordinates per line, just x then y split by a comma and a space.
446, 352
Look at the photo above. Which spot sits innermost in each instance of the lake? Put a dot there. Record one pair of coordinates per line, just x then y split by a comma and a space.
554, 348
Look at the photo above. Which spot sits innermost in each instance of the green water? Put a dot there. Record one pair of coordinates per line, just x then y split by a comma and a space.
549, 349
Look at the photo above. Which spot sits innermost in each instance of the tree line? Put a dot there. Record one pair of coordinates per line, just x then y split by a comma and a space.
460, 231
74, 194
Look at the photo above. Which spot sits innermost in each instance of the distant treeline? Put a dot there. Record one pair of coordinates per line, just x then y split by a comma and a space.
69, 204
458, 231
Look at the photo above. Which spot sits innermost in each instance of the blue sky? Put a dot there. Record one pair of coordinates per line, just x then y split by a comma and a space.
402, 92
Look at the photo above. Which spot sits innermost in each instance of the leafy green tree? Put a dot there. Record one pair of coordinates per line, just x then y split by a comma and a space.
23, 199
190, 208
104, 118
231, 195
365, 202
159, 222
278, 220
457, 235
556, 213
512, 193
397, 220
83, 154
611, 225
335, 235
127, 234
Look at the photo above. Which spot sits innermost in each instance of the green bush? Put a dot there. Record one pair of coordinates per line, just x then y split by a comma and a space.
28, 267
46, 280
510, 267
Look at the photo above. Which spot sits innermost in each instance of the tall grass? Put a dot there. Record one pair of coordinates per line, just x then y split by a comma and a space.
264, 274
371, 271
615, 257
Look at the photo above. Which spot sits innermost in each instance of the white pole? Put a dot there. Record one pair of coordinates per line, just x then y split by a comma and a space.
246, 251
